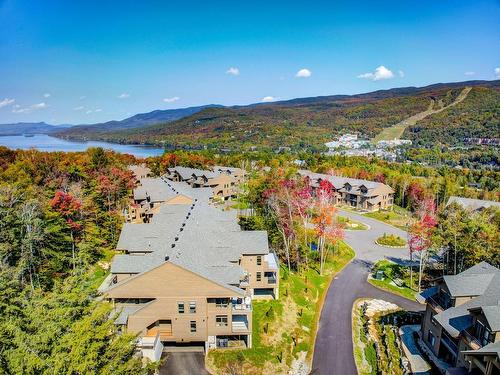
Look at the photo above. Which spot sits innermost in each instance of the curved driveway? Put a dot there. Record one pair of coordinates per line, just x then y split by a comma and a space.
333, 353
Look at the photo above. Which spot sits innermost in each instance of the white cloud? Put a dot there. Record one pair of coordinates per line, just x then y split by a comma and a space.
98, 110
497, 72
303, 73
378, 74
18, 109
171, 100
401, 73
124, 95
469, 73
83, 97
267, 99
233, 71
5, 102
46, 95
79, 108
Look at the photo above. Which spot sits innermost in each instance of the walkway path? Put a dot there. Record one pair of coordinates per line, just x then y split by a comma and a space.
333, 352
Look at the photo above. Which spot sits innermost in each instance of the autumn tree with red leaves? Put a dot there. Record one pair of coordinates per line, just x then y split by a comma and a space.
70, 208
420, 235
326, 227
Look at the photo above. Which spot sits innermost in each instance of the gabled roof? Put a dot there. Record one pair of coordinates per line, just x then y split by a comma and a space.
198, 237
456, 319
339, 182
492, 314
153, 188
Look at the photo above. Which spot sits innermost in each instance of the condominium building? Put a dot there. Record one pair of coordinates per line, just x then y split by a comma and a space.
188, 276
461, 326
359, 194
222, 180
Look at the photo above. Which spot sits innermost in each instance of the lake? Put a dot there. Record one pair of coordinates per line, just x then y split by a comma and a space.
45, 142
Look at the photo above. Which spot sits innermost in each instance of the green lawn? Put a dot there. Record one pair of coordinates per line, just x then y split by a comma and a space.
394, 271
350, 224
282, 328
388, 134
397, 217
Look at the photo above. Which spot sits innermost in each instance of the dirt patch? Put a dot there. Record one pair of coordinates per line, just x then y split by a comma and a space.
285, 323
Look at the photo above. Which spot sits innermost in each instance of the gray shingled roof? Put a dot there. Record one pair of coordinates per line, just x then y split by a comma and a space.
456, 319
339, 182
472, 204
187, 173
492, 314
124, 310
467, 285
155, 189
209, 244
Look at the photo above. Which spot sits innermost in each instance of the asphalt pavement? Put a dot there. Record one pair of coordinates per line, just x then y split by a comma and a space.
333, 352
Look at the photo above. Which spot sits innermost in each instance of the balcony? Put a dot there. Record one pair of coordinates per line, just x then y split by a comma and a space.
241, 306
239, 323
471, 340
271, 280
449, 343
245, 280
271, 262
435, 304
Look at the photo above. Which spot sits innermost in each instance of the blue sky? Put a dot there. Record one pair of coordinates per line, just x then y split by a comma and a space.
91, 61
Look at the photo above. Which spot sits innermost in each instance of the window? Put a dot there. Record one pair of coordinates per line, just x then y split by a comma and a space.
221, 320
432, 339
219, 302
192, 307
180, 307
192, 325
259, 276
259, 260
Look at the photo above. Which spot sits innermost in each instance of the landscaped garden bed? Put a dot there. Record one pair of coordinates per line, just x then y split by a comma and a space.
349, 224
376, 343
391, 240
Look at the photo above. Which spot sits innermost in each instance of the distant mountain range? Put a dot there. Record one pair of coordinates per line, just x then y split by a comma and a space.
300, 123
136, 121
21, 128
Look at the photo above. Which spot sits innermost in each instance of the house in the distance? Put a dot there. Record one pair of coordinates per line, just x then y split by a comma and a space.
472, 204
359, 194
461, 326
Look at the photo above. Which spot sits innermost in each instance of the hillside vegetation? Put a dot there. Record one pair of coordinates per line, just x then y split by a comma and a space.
299, 124
478, 116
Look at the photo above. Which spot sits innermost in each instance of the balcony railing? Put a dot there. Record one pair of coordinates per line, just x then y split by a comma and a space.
271, 280
471, 340
242, 306
450, 343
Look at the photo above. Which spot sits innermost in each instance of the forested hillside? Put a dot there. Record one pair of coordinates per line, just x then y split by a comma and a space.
478, 116
59, 218
310, 122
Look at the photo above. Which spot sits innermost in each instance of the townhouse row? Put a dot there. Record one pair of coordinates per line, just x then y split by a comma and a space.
461, 326
359, 194
187, 274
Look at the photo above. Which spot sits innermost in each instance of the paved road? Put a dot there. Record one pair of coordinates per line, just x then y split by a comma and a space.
333, 354
184, 363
